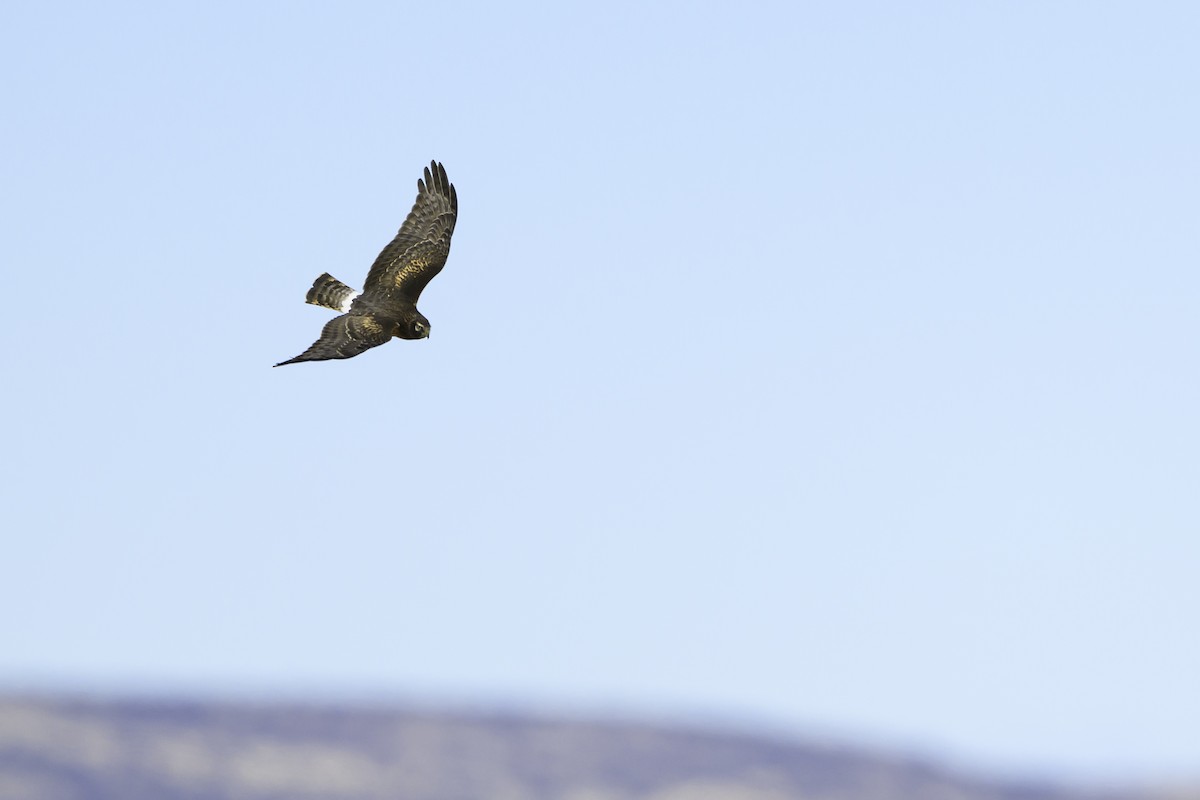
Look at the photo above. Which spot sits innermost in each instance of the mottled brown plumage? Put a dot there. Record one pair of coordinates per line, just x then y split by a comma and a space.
387, 306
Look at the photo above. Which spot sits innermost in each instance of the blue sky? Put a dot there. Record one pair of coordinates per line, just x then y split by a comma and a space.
823, 366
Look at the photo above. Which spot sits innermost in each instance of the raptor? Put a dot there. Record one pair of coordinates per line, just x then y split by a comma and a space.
387, 305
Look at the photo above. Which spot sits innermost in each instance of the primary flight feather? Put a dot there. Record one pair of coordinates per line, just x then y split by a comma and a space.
387, 305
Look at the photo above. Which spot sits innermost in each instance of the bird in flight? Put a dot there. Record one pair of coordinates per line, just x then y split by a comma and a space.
387, 305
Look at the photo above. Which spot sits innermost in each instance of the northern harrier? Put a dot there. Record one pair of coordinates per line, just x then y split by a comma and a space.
387, 305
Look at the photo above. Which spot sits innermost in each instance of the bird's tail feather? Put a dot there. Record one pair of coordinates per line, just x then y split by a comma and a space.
328, 292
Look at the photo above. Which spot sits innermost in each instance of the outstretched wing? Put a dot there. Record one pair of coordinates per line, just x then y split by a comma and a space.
419, 250
345, 337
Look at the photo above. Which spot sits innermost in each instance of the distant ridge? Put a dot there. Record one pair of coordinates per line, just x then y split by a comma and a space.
72, 749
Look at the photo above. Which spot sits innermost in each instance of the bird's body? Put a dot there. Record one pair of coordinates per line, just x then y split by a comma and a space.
387, 305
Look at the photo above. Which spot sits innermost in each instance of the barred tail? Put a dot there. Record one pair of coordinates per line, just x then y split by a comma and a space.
328, 292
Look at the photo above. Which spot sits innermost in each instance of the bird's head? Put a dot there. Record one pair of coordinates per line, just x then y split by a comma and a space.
412, 326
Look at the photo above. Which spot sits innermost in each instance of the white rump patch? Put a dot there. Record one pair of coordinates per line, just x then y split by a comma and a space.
345, 306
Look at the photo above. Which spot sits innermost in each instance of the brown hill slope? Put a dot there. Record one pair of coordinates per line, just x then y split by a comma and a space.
124, 750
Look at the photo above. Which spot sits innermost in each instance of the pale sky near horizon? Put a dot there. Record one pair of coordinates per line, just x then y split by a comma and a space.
831, 365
